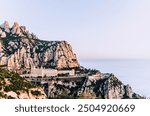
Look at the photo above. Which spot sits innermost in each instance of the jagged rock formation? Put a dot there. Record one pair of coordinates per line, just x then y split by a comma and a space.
20, 49
106, 87
12, 86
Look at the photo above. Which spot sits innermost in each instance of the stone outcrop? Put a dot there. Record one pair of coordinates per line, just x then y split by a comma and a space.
106, 87
21, 49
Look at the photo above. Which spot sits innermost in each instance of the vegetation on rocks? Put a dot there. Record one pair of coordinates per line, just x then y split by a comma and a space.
12, 82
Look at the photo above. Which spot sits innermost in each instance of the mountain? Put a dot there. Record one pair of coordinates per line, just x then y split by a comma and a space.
21, 49
12, 86
105, 87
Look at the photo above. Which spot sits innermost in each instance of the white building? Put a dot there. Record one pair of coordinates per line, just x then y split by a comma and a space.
43, 72
70, 72
35, 72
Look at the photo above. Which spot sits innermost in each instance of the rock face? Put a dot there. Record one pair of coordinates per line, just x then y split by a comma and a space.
20, 49
106, 87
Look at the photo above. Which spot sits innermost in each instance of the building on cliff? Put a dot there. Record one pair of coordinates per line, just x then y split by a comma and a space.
35, 72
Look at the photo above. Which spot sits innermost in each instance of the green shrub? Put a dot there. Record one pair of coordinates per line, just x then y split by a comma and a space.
8, 88
36, 93
2, 95
17, 82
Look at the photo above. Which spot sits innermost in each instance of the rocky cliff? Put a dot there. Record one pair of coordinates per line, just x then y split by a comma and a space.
21, 49
105, 87
12, 86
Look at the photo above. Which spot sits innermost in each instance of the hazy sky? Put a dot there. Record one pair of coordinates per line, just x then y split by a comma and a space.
94, 28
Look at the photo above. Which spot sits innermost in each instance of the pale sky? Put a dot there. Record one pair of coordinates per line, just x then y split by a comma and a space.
96, 29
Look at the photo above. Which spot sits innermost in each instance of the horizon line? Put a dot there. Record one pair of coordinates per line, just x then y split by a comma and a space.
113, 59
